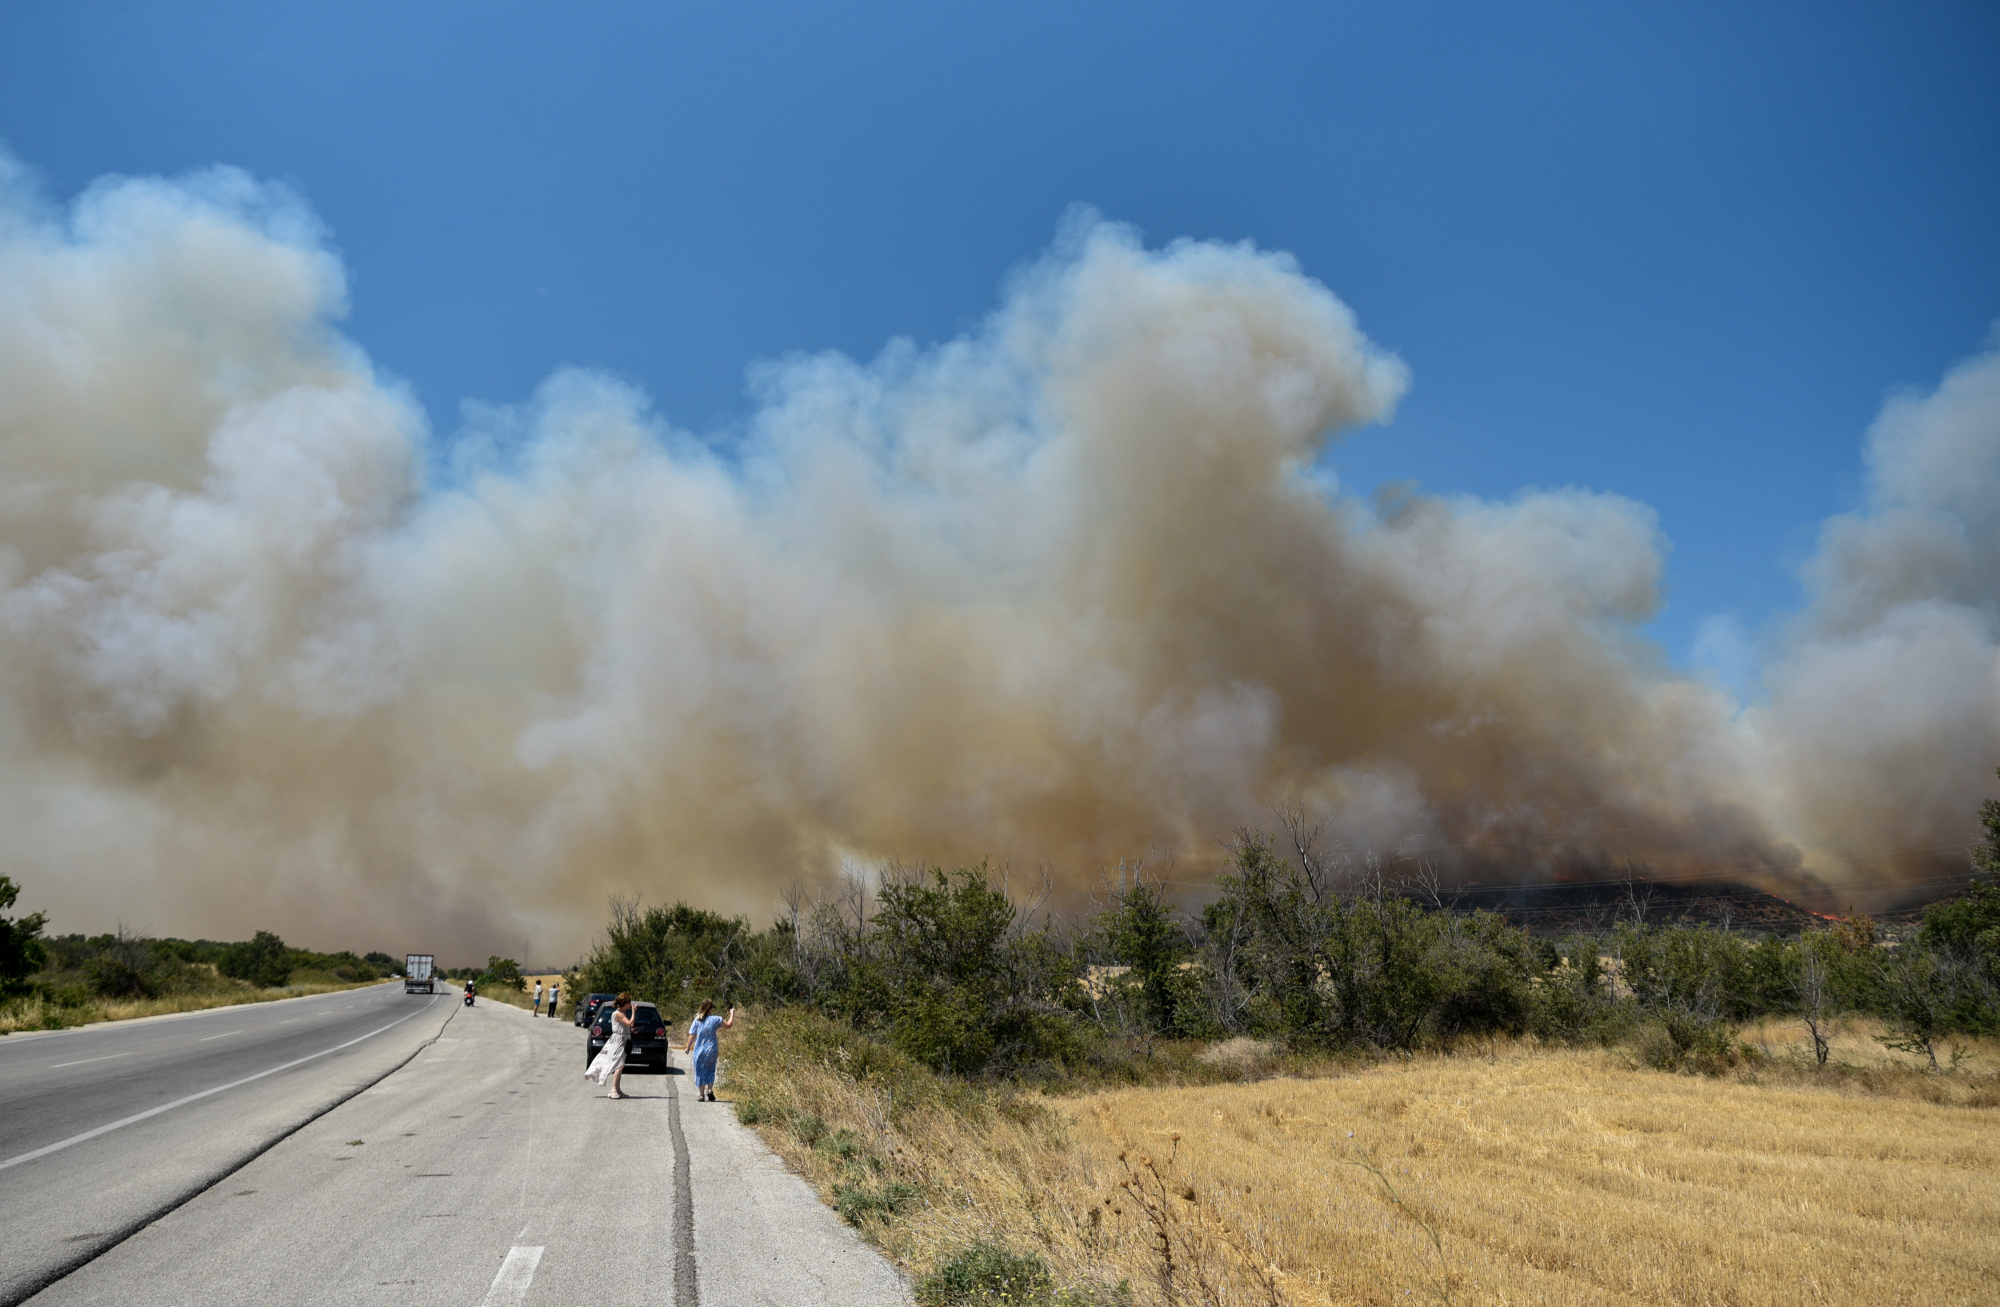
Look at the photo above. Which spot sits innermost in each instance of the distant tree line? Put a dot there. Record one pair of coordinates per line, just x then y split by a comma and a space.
71, 970
1311, 951
498, 973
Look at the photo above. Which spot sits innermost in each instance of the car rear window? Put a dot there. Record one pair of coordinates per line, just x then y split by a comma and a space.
643, 1015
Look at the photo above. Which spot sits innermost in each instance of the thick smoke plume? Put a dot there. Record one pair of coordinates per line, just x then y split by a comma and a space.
1071, 588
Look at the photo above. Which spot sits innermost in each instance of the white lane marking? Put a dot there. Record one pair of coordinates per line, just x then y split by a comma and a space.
224, 1035
80, 1061
511, 1285
294, 1021
59, 1145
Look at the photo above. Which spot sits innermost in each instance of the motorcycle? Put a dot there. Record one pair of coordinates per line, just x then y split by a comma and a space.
468, 995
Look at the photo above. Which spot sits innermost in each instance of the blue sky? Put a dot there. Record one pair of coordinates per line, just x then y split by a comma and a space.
1681, 253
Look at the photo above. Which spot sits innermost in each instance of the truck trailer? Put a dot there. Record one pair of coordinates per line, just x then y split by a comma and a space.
419, 974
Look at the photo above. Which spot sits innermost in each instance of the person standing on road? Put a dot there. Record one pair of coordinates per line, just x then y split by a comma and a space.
538, 999
610, 1064
555, 992
703, 1042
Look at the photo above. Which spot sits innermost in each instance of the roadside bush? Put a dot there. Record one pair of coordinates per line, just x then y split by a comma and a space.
263, 960
680, 955
501, 973
116, 977
949, 971
857, 1201
22, 952
985, 1273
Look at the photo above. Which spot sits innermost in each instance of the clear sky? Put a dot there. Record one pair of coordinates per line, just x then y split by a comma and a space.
1677, 252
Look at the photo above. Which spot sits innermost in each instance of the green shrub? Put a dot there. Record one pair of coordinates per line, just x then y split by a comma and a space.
681, 955
500, 973
985, 1273
263, 960
116, 977
950, 972
22, 951
1685, 1041
856, 1201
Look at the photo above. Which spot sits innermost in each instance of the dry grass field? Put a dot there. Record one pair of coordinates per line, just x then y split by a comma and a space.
1508, 1174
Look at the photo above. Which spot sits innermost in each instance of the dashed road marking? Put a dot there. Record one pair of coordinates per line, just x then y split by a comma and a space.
224, 1035
80, 1061
510, 1286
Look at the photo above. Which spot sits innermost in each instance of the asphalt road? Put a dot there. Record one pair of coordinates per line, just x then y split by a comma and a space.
484, 1170
78, 1171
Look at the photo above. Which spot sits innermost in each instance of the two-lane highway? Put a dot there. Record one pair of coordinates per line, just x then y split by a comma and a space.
103, 1128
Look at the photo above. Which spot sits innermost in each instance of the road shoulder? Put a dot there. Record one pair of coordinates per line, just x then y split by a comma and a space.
761, 1234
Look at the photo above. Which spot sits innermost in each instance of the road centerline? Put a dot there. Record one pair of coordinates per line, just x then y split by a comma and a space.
224, 1035
54, 1066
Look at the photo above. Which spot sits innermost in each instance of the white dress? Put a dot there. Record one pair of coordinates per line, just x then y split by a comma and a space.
607, 1062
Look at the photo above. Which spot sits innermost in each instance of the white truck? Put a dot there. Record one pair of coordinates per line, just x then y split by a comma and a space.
419, 974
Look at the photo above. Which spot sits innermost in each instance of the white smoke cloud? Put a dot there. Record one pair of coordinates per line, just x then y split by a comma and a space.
1884, 720
1069, 587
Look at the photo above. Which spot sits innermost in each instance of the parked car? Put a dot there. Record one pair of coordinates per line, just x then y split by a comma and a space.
586, 1011
648, 1049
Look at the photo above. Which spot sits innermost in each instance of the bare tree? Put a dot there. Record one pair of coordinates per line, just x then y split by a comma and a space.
1638, 899
1304, 836
1426, 885
1812, 986
624, 909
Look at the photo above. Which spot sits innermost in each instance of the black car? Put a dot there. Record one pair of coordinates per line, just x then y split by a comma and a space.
648, 1049
586, 1011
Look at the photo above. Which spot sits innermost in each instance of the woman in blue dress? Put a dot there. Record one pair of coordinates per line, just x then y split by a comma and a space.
701, 1041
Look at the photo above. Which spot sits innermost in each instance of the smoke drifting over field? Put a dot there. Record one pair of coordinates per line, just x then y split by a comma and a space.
1064, 590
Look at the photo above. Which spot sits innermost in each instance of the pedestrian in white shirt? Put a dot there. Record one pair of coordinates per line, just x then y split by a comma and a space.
538, 999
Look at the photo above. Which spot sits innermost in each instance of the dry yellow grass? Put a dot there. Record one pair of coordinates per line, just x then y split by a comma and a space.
35, 1014
1546, 1175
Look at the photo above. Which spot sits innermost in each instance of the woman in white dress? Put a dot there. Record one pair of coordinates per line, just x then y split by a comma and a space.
610, 1064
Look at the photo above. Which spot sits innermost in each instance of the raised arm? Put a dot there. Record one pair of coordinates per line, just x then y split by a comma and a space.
731, 1019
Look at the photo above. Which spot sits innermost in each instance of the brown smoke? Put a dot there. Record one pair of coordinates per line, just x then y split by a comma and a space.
1070, 588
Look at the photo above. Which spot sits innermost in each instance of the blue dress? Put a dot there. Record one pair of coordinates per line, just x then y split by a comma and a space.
705, 1048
